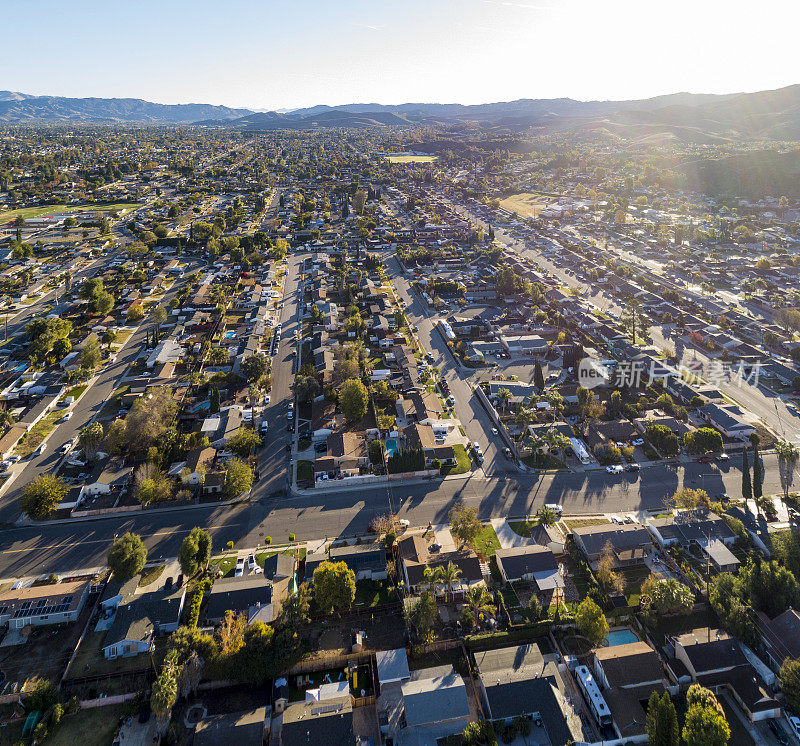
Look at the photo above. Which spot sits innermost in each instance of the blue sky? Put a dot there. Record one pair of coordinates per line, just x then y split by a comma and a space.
292, 53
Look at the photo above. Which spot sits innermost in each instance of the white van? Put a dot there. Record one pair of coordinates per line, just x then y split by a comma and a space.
555, 507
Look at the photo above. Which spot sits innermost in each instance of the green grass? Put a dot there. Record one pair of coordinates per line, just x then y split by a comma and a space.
112, 404
573, 523
299, 553
227, 564
151, 574
305, 471
76, 392
42, 211
486, 542
37, 434
374, 593
463, 461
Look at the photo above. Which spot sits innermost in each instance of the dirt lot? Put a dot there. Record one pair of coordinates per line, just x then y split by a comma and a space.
46, 652
526, 205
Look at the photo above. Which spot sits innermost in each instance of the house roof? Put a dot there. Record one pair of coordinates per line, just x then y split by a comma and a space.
414, 553
139, 617
392, 665
279, 565
329, 723
243, 728
433, 700
630, 664
511, 663
519, 561
623, 538
782, 634
236, 594
42, 599
721, 652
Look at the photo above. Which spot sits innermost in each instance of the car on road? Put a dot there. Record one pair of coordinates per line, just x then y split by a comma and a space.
633, 466
792, 407
495, 431
67, 417
779, 732
614, 469
704, 460
239, 571
40, 450
507, 453
290, 415
723, 457
638, 442
13, 459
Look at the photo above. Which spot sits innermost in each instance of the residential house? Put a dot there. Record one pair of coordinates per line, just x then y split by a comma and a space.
198, 463
246, 595
630, 543
522, 681
109, 474
415, 556
728, 419
712, 658
780, 637
434, 707
533, 563
367, 561
702, 529
38, 605
313, 722
241, 728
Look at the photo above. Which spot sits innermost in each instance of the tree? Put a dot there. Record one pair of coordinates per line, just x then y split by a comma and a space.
591, 622
43, 495
90, 438
421, 614
90, 354
353, 399
109, 336
705, 723
254, 366
787, 459
150, 484
102, 303
747, 484
605, 569
758, 472
538, 376
662, 721
703, 440
377, 449
195, 551
334, 586
135, 314
306, 388
634, 320
685, 498
165, 692
243, 442
359, 200
149, 423
238, 478
127, 556
344, 369
478, 606
789, 677
669, 596
464, 523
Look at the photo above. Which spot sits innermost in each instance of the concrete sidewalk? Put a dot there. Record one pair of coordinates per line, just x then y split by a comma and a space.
507, 537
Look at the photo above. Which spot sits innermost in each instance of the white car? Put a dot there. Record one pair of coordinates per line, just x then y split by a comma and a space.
67, 417
251, 562
614, 469
494, 431
13, 459
637, 442
239, 571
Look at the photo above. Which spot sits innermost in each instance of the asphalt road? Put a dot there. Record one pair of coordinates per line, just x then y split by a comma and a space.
63, 547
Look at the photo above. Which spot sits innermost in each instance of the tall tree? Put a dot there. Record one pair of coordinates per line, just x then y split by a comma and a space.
334, 586
662, 721
758, 473
747, 484
195, 551
538, 376
591, 621
787, 460
464, 523
789, 677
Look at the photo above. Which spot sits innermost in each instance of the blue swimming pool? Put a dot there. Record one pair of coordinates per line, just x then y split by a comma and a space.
391, 447
230, 334
621, 637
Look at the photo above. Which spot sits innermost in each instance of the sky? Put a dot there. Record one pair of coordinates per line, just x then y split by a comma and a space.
282, 54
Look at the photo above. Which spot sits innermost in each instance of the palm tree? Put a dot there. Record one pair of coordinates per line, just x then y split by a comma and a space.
6, 418
504, 395
433, 576
477, 605
449, 574
787, 458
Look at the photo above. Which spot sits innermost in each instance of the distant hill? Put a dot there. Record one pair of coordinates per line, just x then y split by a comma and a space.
19, 108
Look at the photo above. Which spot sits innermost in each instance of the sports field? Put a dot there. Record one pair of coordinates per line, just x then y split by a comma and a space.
45, 210
526, 205
411, 158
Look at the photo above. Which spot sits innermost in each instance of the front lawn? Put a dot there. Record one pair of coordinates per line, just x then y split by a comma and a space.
37, 434
150, 575
305, 471
94, 726
486, 542
463, 461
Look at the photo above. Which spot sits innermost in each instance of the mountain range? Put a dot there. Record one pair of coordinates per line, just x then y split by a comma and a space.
691, 117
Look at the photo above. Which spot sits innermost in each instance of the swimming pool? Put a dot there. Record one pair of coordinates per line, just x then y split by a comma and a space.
621, 637
230, 334
391, 447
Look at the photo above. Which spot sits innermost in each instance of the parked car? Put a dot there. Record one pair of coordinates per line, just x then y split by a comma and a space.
638, 442
494, 431
614, 469
239, 571
633, 466
794, 721
40, 450
779, 732
67, 417
555, 507
251, 561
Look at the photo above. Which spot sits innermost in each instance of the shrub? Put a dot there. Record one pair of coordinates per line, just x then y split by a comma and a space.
229, 545
268, 540
291, 537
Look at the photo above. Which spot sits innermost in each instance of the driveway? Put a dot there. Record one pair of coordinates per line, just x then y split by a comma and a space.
507, 537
